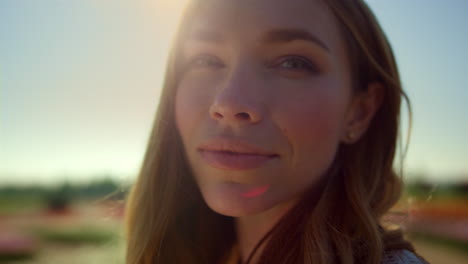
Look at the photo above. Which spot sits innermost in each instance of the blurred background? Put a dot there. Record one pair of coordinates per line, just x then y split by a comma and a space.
79, 85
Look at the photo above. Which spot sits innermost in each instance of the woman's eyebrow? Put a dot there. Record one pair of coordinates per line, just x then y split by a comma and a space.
287, 35
272, 36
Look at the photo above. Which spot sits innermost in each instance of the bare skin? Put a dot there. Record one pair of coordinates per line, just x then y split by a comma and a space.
251, 229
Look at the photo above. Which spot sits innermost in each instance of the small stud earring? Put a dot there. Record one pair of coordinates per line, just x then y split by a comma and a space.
350, 135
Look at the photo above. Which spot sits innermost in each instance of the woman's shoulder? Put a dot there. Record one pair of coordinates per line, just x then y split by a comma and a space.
402, 256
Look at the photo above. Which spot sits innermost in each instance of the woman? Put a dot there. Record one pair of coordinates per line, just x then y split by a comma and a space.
274, 139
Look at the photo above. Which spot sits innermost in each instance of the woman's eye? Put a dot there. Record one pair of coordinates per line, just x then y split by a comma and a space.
298, 64
206, 61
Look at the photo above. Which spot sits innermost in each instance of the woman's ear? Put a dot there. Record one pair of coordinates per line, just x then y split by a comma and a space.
362, 109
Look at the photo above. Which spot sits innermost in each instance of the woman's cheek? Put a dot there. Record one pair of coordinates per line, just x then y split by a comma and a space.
191, 98
312, 129
314, 111
182, 109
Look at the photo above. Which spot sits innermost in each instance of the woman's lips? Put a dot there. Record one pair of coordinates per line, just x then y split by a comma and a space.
234, 154
228, 160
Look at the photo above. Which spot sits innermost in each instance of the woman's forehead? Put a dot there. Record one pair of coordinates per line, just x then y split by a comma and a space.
250, 19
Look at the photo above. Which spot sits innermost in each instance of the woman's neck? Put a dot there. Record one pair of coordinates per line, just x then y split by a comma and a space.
252, 228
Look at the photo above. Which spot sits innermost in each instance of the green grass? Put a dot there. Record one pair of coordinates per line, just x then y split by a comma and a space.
441, 240
4, 257
76, 235
53, 253
12, 205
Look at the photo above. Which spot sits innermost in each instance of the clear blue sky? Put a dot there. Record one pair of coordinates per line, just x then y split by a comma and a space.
79, 84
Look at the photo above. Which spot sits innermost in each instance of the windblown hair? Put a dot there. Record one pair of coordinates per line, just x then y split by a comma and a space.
168, 221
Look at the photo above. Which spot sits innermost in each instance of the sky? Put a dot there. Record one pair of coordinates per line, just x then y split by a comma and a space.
80, 83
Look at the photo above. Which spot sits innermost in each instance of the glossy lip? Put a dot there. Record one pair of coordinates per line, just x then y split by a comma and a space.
234, 154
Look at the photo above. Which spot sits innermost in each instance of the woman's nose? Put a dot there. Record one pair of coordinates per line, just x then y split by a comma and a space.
239, 99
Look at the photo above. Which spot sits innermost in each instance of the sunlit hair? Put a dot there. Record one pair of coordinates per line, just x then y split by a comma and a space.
168, 222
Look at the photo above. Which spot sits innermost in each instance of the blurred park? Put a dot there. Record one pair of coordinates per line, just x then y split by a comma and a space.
66, 223
83, 223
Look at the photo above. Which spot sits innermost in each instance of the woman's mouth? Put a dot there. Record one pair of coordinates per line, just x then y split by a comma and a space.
233, 160
230, 154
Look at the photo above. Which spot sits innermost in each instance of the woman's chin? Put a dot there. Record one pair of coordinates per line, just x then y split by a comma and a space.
236, 201
233, 209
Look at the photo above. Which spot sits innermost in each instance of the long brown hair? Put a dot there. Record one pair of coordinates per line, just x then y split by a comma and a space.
168, 221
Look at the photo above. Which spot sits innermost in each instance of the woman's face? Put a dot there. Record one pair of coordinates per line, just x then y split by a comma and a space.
263, 101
